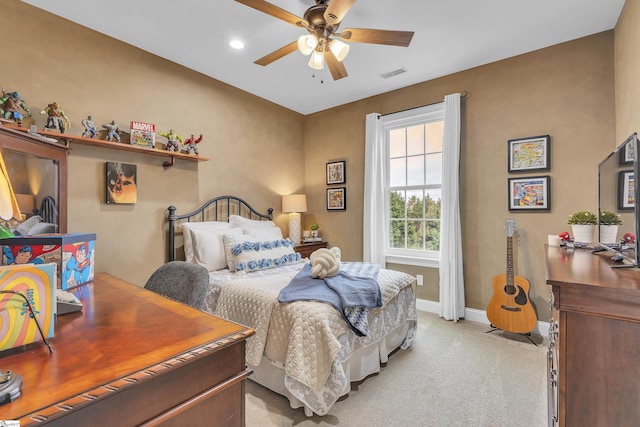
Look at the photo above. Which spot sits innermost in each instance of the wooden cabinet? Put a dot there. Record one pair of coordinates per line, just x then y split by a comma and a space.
305, 249
130, 358
594, 349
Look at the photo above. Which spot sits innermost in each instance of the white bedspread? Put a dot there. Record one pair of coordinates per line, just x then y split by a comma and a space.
305, 338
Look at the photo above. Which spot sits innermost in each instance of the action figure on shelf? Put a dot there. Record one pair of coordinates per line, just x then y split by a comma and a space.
173, 140
191, 144
10, 105
113, 132
89, 128
56, 118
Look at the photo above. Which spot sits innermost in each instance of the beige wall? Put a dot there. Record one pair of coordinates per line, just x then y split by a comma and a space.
255, 147
627, 60
565, 91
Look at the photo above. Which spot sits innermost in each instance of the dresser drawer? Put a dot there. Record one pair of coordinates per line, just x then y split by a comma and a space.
306, 249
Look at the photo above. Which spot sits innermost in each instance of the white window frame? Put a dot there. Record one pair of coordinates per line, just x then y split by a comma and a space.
427, 114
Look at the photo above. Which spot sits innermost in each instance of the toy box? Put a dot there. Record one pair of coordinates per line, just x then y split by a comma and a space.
72, 253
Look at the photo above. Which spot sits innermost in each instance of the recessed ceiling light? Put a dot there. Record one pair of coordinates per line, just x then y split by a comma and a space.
236, 44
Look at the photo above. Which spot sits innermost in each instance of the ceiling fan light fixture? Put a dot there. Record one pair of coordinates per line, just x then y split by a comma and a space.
307, 43
236, 44
339, 49
317, 60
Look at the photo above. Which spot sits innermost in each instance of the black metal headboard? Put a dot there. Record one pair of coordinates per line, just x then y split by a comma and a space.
216, 209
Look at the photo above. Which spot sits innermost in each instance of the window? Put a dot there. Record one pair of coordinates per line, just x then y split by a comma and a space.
413, 176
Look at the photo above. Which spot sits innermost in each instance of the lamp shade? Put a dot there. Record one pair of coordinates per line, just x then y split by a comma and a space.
294, 203
307, 43
339, 49
316, 61
8, 205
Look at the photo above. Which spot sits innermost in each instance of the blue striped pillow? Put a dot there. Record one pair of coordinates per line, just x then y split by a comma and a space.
250, 255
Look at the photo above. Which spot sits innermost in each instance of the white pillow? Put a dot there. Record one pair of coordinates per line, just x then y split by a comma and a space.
250, 254
239, 221
24, 228
271, 233
43, 228
208, 248
186, 234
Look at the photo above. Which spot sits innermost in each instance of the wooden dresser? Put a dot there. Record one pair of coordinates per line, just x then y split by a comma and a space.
594, 340
131, 357
306, 249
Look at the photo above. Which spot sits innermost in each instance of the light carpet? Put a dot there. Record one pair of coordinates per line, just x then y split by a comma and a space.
455, 374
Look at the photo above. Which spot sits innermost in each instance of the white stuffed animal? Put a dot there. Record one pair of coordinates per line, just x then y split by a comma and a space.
325, 262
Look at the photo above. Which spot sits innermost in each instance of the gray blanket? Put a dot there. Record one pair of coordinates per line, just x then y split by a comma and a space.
353, 291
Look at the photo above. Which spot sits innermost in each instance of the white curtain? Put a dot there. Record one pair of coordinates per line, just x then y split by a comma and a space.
451, 272
374, 225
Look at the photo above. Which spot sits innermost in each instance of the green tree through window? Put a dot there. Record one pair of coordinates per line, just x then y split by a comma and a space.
417, 226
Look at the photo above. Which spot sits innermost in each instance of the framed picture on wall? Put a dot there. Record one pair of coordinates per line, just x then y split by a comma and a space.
529, 154
626, 154
336, 172
337, 199
530, 194
626, 190
120, 185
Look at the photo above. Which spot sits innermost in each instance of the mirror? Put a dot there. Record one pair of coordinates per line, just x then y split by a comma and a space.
617, 193
37, 170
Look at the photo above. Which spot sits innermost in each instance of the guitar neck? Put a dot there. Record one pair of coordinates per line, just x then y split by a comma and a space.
509, 261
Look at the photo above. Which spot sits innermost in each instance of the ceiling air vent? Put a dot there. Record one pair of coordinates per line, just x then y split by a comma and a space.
393, 73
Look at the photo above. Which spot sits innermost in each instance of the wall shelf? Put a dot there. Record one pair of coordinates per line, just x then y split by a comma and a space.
114, 145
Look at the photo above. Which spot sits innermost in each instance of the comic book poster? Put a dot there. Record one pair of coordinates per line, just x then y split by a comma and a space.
143, 134
121, 184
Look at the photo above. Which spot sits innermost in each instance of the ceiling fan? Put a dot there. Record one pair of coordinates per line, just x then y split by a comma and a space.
323, 41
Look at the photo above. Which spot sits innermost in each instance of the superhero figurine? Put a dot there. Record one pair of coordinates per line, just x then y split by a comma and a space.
10, 103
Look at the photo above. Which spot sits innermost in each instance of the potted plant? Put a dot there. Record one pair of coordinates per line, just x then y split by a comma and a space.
609, 222
314, 229
583, 223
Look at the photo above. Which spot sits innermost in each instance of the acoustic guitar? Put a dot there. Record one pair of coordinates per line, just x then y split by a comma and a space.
510, 308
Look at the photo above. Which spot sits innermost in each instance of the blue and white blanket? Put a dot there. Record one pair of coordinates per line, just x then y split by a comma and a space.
353, 291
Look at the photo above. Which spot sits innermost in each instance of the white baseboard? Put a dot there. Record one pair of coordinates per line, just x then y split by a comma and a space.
475, 315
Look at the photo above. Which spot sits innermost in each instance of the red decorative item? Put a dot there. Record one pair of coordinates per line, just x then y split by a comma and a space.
565, 236
629, 238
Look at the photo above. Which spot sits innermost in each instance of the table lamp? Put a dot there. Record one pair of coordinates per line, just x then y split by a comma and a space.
294, 204
9, 208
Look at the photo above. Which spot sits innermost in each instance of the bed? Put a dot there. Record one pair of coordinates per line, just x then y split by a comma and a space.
303, 350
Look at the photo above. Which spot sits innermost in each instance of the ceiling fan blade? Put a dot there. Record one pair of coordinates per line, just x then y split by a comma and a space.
336, 10
277, 54
365, 35
337, 68
272, 10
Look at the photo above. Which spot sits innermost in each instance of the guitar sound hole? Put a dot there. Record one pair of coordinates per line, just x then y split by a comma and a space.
509, 290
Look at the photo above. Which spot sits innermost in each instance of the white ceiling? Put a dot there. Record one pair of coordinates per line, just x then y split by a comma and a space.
450, 36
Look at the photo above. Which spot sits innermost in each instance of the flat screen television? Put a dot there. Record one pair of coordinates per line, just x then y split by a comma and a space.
617, 192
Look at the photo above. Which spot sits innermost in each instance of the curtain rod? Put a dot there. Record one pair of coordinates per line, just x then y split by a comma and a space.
464, 94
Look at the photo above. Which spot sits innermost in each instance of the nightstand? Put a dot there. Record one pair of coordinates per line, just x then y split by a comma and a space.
305, 249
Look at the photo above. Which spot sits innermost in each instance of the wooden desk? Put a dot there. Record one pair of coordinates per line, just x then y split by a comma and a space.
131, 357
594, 340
